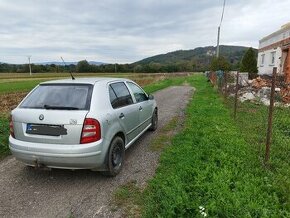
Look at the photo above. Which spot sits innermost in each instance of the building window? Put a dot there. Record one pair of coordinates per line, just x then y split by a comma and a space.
273, 54
262, 59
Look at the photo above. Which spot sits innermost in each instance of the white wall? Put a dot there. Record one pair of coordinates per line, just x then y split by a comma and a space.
267, 67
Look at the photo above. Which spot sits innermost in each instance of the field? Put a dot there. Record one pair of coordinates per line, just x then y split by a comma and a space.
13, 87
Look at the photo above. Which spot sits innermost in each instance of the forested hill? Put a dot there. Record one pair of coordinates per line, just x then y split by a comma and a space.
200, 57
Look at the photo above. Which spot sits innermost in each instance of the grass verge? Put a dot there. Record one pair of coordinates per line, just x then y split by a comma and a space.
165, 135
164, 84
4, 133
252, 122
129, 198
211, 166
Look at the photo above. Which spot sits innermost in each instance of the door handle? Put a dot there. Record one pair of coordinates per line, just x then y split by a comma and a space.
121, 116
140, 108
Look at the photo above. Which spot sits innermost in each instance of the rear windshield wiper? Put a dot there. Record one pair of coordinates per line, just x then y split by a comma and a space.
51, 107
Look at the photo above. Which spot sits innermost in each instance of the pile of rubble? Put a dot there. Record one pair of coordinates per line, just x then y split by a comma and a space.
259, 83
285, 94
256, 90
259, 89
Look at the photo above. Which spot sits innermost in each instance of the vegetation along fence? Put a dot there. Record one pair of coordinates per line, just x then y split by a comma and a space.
261, 109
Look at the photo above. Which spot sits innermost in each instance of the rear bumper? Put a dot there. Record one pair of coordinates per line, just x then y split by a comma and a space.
80, 156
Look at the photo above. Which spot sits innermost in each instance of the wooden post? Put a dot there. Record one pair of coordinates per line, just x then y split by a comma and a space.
270, 117
225, 84
236, 95
287, 67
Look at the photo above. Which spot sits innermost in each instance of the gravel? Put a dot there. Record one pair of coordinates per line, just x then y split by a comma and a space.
26, 192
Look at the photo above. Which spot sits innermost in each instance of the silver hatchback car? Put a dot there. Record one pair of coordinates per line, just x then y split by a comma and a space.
86, 123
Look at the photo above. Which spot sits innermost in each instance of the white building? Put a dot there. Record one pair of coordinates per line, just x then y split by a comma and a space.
274, 52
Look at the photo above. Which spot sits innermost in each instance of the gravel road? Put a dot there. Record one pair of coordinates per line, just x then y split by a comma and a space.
26, 192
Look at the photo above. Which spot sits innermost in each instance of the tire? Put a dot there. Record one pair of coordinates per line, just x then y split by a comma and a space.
115, 158
154, 121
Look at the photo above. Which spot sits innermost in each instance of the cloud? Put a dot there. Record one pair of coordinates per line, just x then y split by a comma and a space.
126, 31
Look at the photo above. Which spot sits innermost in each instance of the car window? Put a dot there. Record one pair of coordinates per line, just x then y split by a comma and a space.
113, 98
119, 95
60, 96
138, 92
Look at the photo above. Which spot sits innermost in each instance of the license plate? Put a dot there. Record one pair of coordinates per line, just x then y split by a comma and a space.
51, 130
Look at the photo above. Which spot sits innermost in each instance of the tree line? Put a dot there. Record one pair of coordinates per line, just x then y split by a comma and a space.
248, 63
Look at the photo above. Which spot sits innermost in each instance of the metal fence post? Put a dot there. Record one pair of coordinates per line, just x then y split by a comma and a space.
236, 95
225, 85
270, 117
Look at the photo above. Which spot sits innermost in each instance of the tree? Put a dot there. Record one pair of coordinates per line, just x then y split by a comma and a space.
249, 63
83, 66
219, 63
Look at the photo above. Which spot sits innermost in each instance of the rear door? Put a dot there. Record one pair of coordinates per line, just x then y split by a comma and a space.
126, 111
145, 106
53, 114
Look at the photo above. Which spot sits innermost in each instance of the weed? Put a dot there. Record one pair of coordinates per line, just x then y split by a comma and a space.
165, 135
210, 164
129, 198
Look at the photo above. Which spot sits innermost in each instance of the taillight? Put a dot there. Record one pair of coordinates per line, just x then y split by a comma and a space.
91, 131
11, 129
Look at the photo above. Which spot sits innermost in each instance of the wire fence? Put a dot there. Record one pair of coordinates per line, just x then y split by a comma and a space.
261, 109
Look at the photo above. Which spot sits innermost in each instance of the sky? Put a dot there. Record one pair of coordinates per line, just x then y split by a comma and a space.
125, 31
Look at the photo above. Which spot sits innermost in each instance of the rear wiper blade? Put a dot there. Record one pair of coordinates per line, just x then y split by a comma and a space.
59, 107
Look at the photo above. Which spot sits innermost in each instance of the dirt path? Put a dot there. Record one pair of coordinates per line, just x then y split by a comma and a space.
26, 192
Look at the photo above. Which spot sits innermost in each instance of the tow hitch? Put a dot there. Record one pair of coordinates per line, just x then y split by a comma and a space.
40, 166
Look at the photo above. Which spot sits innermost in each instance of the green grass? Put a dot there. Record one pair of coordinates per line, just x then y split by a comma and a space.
129, 198
210, 164
165, 135
252, 122
164, 83
4, 133
26, 83
19, 86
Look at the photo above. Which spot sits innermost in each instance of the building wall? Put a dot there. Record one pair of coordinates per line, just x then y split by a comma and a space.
266, 67
275, 42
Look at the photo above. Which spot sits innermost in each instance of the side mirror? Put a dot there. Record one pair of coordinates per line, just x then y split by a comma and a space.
150, 97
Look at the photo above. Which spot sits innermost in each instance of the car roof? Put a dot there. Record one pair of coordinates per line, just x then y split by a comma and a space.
86, 80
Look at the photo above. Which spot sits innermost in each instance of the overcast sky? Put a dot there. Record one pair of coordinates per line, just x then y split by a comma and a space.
126, 31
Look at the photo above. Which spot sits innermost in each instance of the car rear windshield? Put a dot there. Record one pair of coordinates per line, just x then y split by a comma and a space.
60, 97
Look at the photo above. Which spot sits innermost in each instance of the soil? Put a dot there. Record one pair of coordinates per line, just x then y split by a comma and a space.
9, 101
26, 192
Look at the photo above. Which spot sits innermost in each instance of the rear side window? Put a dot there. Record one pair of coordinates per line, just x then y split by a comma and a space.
139, 94
119, 95
60, 97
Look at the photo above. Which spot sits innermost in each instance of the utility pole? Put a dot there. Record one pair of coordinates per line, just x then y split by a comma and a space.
219, 30
218, 43
115, 67
29, 56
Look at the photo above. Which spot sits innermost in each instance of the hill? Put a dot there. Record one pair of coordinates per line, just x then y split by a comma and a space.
199, 57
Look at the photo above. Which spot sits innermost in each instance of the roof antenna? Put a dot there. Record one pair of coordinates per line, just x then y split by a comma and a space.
72, 77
